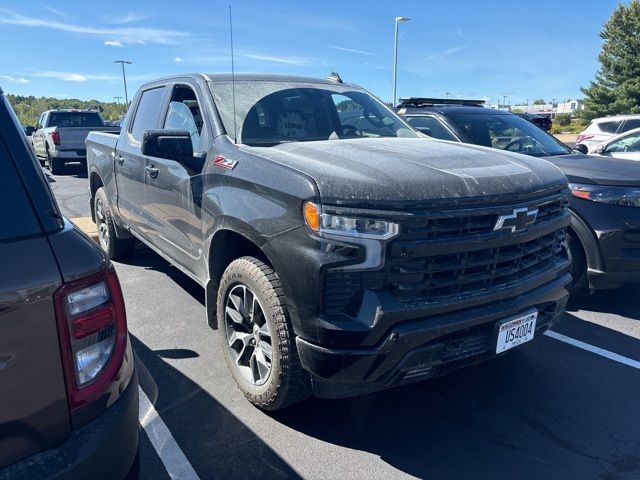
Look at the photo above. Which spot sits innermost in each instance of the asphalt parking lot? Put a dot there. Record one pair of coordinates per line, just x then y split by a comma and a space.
559, 407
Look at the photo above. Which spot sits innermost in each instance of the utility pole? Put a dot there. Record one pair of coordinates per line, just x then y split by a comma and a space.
124, 79
395, 57
446, 95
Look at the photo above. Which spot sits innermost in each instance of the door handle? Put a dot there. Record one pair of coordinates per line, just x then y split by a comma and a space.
120, 160
153, 172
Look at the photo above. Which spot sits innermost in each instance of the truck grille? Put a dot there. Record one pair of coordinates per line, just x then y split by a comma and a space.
437, 276
460, 224
440, 255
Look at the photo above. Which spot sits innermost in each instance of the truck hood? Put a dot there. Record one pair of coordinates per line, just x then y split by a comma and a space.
597, 169
386, 171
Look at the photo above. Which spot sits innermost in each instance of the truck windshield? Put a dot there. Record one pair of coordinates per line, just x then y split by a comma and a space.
507, 132
269, 113
75, 119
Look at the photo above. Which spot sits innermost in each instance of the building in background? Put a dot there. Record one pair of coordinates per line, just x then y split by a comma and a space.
548, 109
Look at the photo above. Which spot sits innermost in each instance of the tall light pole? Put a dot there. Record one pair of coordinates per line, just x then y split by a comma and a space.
124, 79
446, 95
395, 57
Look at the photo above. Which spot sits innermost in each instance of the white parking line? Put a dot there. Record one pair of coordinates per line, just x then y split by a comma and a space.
168, 450
593, 349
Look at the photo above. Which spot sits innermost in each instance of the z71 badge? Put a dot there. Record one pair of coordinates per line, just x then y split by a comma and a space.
220, 161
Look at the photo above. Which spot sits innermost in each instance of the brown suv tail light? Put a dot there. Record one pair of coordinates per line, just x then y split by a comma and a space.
92, 327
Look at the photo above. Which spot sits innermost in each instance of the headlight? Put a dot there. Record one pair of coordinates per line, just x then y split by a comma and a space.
322, 223
629, 196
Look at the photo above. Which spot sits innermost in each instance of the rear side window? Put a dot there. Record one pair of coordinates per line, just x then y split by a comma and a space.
631, 124
19, 219
609, 127
147, 112
75, 119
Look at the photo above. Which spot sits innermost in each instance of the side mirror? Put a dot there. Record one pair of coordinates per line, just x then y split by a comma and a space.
29, 130
169, 144
425, 130
582, 148
600, 149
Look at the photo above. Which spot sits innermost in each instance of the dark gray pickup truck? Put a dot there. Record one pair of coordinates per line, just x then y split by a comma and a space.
340, 258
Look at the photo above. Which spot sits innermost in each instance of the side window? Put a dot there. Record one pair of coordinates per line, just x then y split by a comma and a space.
356, 121
631, 124
41, 121
184, 113
630, 143
430, 126
609, 127
147, 112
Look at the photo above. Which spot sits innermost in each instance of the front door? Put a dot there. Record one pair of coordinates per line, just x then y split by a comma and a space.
174, 190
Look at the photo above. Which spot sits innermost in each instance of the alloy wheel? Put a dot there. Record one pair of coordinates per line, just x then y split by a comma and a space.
248, 336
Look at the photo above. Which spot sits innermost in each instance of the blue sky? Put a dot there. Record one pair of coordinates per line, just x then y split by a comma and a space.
480, 49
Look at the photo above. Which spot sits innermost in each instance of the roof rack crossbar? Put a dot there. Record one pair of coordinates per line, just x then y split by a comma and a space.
423, 101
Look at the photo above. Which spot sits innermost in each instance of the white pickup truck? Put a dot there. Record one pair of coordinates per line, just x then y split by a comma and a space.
60, 135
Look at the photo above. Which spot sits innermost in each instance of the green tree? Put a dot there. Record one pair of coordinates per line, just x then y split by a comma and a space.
540, 101
28, 109
616, 87
563, 119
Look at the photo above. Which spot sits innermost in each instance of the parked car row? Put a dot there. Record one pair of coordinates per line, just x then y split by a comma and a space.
341, 251
604, 129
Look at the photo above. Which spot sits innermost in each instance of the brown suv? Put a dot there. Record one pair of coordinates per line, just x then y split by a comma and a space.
68, 388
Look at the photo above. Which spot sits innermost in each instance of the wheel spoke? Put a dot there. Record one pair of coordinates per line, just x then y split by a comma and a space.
234, 315
266, 350
241, 336
262, 364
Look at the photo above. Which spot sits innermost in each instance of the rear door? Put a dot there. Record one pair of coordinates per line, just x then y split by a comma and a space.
33, 406
174, 190
130, 165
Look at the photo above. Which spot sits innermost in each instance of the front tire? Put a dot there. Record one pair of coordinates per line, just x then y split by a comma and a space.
257, 338
113, 246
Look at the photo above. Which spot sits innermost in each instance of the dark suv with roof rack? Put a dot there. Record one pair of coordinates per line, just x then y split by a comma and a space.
604, 234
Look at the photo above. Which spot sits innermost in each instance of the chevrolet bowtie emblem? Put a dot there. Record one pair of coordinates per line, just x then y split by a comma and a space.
516, 221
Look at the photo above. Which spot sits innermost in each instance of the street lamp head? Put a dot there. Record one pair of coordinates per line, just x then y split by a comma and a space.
123, 61
402, 19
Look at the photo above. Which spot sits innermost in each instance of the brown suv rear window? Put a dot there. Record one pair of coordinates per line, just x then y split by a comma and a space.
16, 212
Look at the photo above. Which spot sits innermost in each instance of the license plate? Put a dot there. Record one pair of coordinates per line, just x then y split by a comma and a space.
516, 332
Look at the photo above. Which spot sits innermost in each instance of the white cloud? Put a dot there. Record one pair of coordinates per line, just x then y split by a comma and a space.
71, 76
287, 60
178, 59
351, 50
55, 11
9, 78
113, 43
129, 35
129, 17
447, 52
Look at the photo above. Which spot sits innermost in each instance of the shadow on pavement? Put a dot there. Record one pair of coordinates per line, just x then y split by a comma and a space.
146, 258
616, 301
518, 416
216, 442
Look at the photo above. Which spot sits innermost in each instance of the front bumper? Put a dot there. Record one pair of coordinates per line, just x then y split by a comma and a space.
103, 449
426, 347
613, 246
